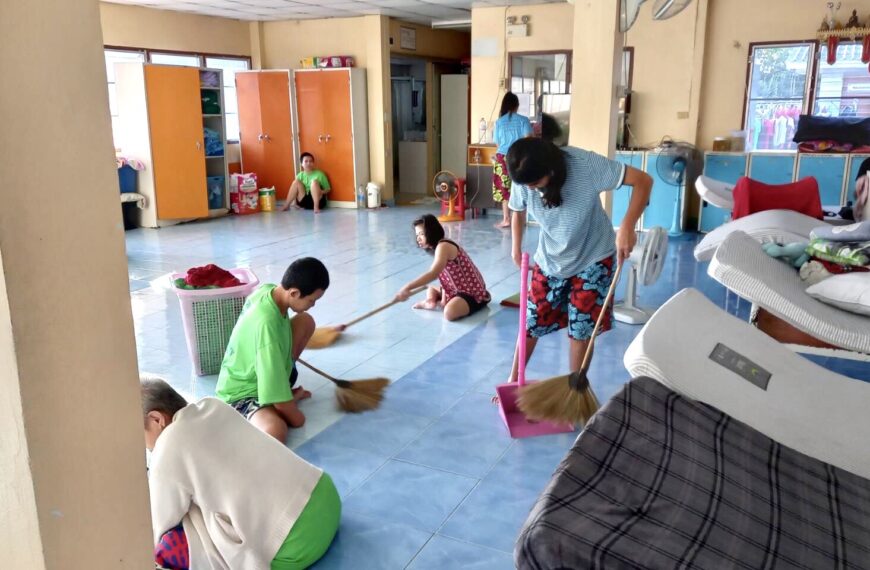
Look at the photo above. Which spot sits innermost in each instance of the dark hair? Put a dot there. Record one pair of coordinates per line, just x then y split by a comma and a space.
303, 155
433, 231
509, 104
863, 169
530, 159
307, 274
158, 396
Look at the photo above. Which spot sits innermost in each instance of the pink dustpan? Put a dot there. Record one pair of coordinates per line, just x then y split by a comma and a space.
517, 423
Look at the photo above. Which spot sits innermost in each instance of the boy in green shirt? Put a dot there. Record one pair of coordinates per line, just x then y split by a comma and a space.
310, 188
258, 372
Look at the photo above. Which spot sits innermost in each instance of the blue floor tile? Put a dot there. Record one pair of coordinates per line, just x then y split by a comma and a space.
382, 432
349, 468
442, 553
410, 494
366, 542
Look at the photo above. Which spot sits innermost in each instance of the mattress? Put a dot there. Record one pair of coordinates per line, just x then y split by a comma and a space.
800, 404
715, 192
742, 266
780, 226
657, 480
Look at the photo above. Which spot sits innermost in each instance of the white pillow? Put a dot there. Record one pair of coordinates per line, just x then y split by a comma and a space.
848, 291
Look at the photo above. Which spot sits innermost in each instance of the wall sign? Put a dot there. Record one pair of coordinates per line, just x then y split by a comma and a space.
408, 38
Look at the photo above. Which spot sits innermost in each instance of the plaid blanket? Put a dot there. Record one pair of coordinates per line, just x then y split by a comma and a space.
660, 481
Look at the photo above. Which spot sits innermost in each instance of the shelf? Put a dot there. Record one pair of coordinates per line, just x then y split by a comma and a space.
212, 116
217, 156
210, 88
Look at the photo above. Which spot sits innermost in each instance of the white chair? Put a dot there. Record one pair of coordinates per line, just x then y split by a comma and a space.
716, 192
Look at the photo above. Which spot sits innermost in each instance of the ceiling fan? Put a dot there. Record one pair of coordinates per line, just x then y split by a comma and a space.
662, 10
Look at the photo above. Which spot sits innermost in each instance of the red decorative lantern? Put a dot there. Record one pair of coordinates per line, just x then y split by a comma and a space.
865, 52
833, 42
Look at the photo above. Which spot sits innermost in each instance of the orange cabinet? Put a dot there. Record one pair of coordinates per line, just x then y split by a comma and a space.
266, 134
331, 114
161, 123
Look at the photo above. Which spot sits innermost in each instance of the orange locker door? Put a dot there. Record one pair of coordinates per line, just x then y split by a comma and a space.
338, 135
250, 122
177, 147
278, 167
310, 109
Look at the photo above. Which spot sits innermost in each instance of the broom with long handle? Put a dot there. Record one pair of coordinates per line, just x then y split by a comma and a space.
354, 395
567, 399
326, 336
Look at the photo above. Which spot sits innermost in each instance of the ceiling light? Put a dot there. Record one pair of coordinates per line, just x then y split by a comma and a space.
464, 23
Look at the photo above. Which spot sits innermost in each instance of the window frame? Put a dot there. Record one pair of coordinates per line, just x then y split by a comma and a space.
201, 55
569, 58
817, 75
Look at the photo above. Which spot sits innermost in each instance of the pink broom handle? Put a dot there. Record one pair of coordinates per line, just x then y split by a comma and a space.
521, 338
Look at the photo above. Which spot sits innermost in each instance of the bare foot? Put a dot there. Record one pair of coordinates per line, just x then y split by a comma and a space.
300, 393
427, 304
494, 399
502, 225
339, 328
316, 211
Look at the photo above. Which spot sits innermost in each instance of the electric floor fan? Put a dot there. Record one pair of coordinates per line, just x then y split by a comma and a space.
450, 189
646, 259
677, 163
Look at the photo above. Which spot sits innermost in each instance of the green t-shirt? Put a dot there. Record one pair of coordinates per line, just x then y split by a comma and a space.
307, 177
258, 362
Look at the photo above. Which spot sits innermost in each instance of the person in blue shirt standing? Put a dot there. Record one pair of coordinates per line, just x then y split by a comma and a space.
509, 128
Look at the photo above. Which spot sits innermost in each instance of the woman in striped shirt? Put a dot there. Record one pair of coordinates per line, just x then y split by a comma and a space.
574, 262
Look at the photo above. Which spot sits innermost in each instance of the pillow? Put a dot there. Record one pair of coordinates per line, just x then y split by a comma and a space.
848, 291
852, 232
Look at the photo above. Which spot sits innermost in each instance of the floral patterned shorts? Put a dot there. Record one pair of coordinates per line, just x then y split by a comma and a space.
555, 303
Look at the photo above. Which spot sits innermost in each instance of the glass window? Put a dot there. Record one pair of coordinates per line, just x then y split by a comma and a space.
191, 60
778, 85
114, 56
534, 74
231, 104
842, 89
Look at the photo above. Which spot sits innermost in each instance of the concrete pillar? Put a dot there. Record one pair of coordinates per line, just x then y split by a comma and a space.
595, 68
72, 477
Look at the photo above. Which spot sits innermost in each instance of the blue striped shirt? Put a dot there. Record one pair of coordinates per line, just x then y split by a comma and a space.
509, 128
578, 233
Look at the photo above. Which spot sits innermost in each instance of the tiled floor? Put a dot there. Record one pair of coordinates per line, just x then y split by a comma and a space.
430, 480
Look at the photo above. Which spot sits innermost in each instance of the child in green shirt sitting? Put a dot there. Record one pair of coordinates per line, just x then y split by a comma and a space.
258, 373
310, 188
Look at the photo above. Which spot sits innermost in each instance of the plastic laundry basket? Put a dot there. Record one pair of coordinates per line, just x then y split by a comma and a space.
209, 316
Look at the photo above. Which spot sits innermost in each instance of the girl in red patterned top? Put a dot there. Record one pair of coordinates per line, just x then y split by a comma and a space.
463, 291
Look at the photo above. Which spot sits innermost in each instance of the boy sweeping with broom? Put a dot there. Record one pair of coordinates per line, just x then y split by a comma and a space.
574, 262
258, 373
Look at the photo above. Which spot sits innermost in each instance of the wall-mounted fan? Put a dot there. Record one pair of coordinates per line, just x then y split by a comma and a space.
662, 10
677, 163
449, 188
646, 259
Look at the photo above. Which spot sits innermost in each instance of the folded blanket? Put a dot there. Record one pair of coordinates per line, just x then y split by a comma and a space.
844, 253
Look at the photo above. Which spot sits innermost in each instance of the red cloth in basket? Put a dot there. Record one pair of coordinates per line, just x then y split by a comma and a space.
210, 275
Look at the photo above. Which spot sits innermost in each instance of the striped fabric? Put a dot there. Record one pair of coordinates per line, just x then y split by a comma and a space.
659, 481
742, 266
578, 233
510, 128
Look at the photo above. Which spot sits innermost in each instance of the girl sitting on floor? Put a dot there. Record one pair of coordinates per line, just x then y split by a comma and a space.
226, 495
463, 291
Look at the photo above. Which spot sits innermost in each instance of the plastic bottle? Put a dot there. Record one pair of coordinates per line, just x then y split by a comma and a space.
482, 131
361, 197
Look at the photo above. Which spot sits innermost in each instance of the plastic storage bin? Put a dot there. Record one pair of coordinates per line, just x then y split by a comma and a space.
216, 192
209, 316
127, 179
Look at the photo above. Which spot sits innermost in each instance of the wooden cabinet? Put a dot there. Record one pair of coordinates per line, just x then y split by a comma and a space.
266, 132
478, 176
772, 168
829, 170
331, 114
162, 123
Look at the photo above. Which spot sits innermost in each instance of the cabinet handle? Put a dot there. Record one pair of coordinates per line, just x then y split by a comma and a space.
267, 138
260, 137
320, 138
198, 145
328, 137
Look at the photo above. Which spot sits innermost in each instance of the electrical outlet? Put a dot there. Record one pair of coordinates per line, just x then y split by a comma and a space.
517, 30
501, 82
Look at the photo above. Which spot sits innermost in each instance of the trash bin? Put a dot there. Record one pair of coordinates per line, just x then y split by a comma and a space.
209, 316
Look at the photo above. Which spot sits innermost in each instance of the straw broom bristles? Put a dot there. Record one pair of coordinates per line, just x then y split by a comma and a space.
354, 396
568, 398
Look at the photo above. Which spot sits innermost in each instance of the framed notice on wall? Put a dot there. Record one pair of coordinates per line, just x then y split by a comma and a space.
407, 38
